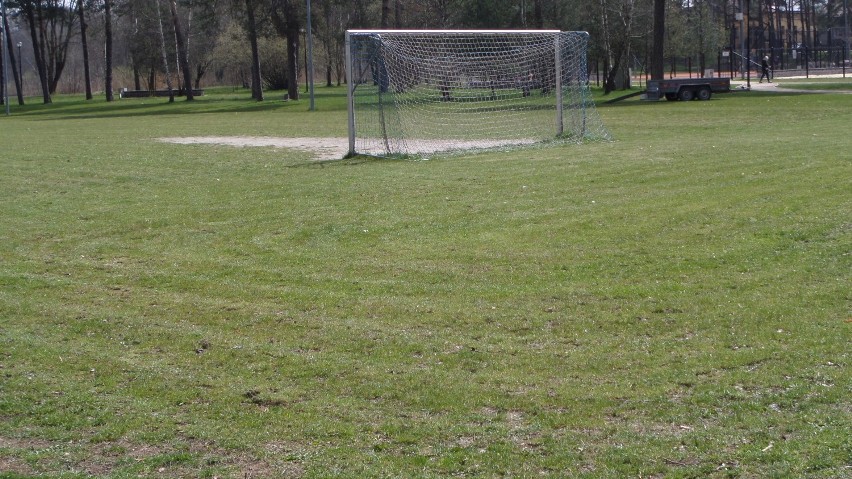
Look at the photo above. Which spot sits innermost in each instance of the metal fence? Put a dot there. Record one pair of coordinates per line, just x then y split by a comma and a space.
787, 62
784, 62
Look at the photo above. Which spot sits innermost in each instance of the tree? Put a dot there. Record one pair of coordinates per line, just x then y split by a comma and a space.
180, 44
287, 21
58, 30
706, 34
28, 8
205, 19
15, 72
538, 14
165, 56
331, 35
84, 44
144, 43
3, 83
485, 13
385, 14
232, 55
51, 25
108, 50
658, 40
251, 31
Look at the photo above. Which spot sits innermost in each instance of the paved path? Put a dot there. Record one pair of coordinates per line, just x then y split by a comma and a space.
765, 86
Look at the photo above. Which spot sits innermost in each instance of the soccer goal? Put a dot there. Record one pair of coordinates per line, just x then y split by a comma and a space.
425, 91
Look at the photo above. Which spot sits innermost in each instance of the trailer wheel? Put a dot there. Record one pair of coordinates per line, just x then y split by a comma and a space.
704, 93
686, 94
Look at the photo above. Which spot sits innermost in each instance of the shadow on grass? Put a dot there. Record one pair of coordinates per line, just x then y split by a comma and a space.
355, 160
77, 108
604, 102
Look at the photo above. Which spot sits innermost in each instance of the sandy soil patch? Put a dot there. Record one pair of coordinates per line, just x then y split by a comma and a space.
320, 148
337, 148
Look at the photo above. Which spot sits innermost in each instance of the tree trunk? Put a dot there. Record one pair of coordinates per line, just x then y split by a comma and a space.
42, 44
3, 83
137, 80
165, 56
285, 17
56, 24
28, 9
108, 50
609, 68
15, 73
385, 14
614, 76
538, 14
657, 66
183, 58
84, 43
328, 43
293, 60
256, 85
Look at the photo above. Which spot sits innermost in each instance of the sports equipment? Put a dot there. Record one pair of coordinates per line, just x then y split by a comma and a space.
424, 91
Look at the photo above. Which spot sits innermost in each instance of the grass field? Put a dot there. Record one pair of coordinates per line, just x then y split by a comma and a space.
674, 303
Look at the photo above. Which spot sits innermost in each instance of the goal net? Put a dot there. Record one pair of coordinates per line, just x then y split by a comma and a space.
425, 91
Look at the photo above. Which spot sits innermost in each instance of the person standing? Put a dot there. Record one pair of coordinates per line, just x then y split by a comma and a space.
764, 69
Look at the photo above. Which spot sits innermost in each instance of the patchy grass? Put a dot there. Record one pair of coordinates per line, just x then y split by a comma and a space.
671, 304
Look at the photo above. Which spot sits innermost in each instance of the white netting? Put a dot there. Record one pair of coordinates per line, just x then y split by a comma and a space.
416, 92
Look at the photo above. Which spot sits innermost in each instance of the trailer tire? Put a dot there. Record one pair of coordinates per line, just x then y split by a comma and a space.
704, 93
686, 94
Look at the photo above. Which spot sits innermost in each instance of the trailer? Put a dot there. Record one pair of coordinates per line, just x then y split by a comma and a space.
686, 89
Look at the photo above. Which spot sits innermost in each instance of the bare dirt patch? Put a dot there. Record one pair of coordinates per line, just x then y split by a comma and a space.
320, 148
107, 458
324, 149
15, 465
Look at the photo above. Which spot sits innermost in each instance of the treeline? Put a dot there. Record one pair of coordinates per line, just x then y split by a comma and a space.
81, 45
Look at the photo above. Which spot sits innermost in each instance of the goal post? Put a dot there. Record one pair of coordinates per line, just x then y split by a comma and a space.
414, 92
